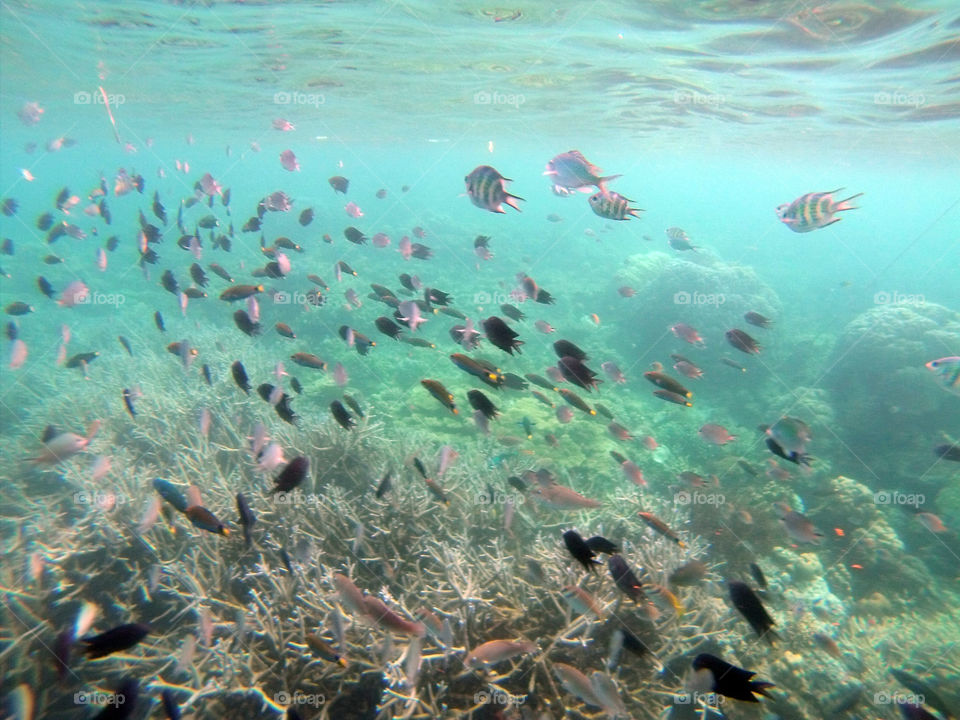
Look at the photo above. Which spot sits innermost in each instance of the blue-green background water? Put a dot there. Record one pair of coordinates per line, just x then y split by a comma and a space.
713, 113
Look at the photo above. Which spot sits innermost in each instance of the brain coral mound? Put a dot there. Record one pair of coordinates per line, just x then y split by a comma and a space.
891, 405
703, 291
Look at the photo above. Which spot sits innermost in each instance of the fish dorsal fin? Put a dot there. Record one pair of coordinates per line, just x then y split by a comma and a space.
193, 496
49, 433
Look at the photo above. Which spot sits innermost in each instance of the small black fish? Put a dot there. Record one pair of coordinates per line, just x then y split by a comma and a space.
12, 331
793, 456
758, 576
479, 401
170, 706
285, 559
420, 468
169, 282
355, 236
45, 222
729, 680
265, 390
512, 312
565, 348
306, 217
45, 287
340, 414
388, 327
240, 376
206, 374
922, 689
6, 248
247, 519
294, 473
625, 579
81, 360
114, 640
517, 483
284, 411
353, 404
500, 334
198, 275
339, 184
384, 487
245, 323
128, 401
158, 321
579, 549
295, 384
600, 544
576, 372
437, 297
112, 243
749, 605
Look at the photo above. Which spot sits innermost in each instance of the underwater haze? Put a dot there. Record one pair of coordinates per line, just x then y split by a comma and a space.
373, 360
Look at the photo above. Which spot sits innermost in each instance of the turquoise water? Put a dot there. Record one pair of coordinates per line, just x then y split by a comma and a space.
713, 114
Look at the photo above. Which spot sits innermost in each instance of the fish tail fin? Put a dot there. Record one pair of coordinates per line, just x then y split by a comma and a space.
511, 201
602, 182
845, 203
760, 687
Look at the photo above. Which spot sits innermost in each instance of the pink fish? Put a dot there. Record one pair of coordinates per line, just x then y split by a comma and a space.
380, 240
61, 355
560, 497
447, 457
544, 327
101, 468
65, 334
353, 210
340, 375
183, 300
619, 432
405, 247
482, 421
101, 259
497, 651
277, 201
613, 372
203, 422
195, 249
688, 369
271, 458
75, 293
649, 443
633, 473
18, 354
410, 314
289, 161
30, 113
65, 445
209, 186
253, 309
685, 332
564, 414
283, 262
553, 372
276, 395
716, 434
278, 372
931, 522
283, 125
